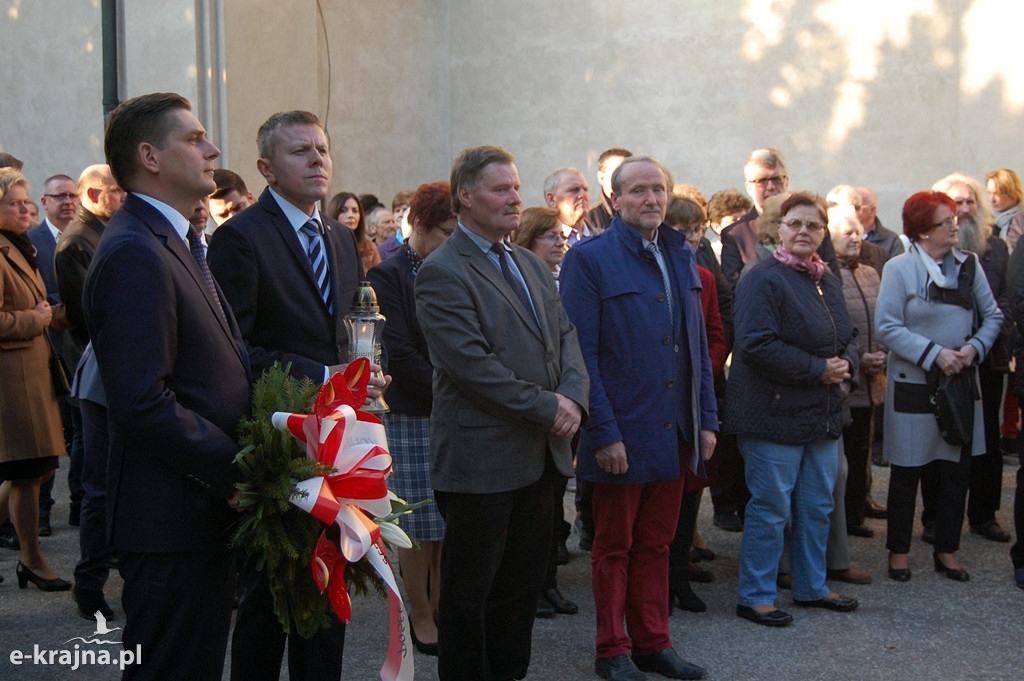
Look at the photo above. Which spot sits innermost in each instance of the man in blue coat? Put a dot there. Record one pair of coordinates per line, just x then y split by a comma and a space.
634, 295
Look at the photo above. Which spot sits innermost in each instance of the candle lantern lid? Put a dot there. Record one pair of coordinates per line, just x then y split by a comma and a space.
365, 299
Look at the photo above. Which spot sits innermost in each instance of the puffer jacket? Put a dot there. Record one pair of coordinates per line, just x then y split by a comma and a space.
786, 327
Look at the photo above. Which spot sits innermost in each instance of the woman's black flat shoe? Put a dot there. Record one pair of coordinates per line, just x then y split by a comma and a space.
772, 618
838, 604
899, 574
955, 575
25, 576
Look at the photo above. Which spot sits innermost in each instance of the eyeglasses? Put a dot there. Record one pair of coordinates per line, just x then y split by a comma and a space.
550, 238
62, 197
797, 225
948, 222
776, 180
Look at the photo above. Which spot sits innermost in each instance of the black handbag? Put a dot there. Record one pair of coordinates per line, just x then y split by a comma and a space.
953, 398
59, 374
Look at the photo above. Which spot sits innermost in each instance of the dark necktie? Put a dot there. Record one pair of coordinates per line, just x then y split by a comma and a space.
512, 279
318, 261
195, 245
653, 249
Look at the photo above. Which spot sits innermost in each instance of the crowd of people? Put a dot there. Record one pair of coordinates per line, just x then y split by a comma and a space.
769, 345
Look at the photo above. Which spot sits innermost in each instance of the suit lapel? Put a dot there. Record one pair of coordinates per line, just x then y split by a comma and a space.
291, 241
480, 262
172, 241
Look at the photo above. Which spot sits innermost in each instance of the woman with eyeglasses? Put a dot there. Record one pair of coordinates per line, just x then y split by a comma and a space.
541, 232
794, 348
936, 314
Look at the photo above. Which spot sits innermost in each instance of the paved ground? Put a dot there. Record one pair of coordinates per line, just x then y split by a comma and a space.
928, 629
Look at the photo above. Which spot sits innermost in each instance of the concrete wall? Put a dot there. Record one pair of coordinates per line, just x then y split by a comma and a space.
892, 93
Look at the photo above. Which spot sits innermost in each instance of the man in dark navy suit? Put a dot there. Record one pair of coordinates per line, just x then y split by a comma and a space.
176, 376
290, 274
60, 201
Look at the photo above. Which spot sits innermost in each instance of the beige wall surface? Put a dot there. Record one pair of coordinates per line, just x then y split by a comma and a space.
890, 93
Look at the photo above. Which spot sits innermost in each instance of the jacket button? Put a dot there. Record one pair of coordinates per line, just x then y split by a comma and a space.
668, 425
667, 340
661, 297
670, 384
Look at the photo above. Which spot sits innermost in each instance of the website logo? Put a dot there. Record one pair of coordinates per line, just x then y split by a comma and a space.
90, 652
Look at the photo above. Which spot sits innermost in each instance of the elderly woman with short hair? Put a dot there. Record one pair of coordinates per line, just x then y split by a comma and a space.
935, 312
31, 437
794, 347
411, 398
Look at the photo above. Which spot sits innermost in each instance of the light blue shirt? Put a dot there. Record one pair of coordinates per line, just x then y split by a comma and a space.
486, 246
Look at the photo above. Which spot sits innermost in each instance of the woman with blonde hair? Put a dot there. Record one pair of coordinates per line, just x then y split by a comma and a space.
31, 438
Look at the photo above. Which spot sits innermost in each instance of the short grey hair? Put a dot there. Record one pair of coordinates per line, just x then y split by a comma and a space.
767, 157
552, 181
617, 175
266, 138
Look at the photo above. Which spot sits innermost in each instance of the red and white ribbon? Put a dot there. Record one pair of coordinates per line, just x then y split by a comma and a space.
354, 444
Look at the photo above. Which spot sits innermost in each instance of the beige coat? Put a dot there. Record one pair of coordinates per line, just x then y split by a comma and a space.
29, 419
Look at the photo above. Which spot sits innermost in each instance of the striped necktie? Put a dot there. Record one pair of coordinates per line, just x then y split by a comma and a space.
195, 246
318, 261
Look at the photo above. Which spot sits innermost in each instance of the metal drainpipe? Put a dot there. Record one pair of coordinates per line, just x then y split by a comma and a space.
219, 80
108, 22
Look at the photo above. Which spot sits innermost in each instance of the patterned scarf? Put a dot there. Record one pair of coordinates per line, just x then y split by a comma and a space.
814, 267
413, 256
24, 245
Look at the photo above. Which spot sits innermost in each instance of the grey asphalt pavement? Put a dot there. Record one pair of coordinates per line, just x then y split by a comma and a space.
928, 629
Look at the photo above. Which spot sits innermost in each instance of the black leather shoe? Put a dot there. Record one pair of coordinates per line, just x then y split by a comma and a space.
560, 603
45, 529
681, 594
772, 618
544, 609
698, 574
838, 604
899, 574
991, 530
26, 575
668, 663
956, 575
873, 510
617, 668
425, 648
90, 601
729, 522
698, 554
860, 531
928, 534
9, 540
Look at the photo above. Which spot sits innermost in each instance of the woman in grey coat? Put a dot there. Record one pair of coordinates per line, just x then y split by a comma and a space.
927, 306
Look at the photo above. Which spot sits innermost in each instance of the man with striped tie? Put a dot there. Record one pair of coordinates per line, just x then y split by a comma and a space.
289, 274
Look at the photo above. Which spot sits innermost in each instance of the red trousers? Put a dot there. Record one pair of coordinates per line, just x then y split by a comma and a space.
633, 528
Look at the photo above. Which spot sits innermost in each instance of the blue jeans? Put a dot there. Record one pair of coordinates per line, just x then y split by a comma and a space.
783, 478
